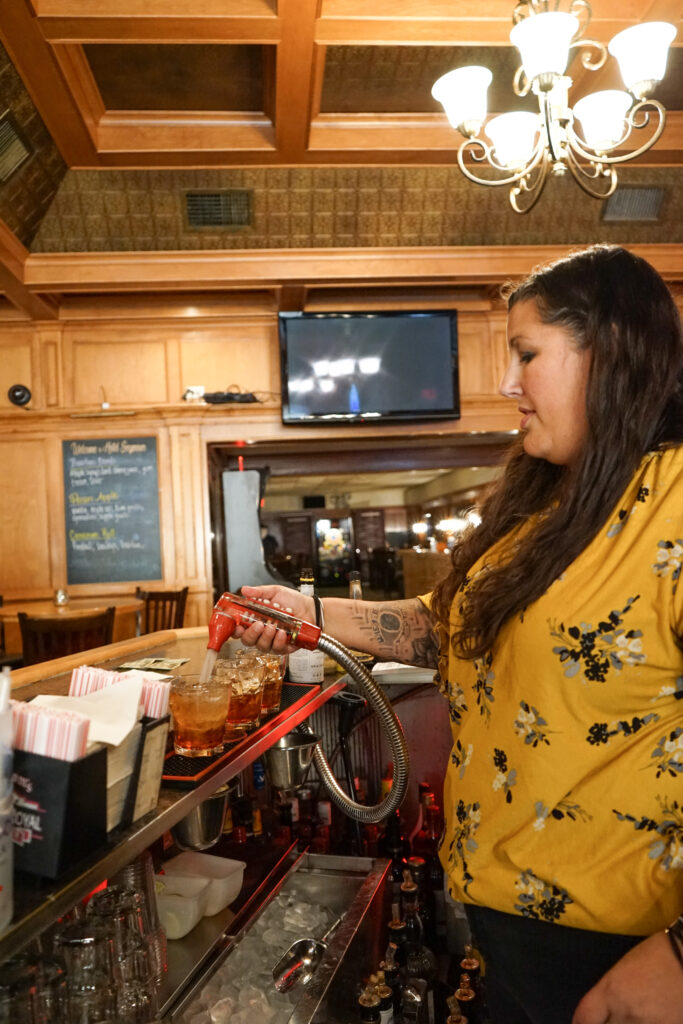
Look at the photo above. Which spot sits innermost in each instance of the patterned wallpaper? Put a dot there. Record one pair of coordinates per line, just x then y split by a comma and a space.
117, 211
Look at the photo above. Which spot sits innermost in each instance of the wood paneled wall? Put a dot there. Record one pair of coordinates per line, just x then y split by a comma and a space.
140, 367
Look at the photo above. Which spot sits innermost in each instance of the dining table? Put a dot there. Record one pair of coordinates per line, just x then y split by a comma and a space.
127, 617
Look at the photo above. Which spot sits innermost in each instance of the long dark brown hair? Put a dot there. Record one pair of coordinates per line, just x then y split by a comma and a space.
616, 305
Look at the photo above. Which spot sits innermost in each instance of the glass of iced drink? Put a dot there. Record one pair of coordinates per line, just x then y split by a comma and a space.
272, 686
246, 677
199, 710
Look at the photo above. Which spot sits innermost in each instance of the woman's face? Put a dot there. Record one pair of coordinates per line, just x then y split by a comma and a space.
547, 376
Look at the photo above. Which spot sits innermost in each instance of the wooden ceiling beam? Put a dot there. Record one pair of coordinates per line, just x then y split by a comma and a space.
12, 261
155, 8
158, 271
295, 76
262, 30
193, 135
33, 59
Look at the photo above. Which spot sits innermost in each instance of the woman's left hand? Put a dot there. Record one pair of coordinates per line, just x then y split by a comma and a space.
644, 987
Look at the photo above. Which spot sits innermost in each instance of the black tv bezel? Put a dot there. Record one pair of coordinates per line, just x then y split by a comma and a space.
398, 416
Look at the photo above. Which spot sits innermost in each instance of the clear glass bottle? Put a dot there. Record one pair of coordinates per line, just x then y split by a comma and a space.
420, 960
306, 666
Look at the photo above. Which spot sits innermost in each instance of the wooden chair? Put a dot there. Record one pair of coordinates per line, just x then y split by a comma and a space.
11, 660
164, 609
44, 637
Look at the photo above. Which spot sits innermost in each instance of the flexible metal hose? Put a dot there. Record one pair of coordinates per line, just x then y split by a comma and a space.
392, 730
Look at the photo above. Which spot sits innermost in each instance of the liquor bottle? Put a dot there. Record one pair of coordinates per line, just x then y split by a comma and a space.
425, 795
426, 845
394, 845
397, 934
386, 998
470, 965
466, 997
454, 1014
425, 902
388, 967
420, 961
368, 1004
355, 586
306, 666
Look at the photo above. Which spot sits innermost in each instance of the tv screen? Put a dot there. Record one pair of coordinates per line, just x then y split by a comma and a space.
360, 367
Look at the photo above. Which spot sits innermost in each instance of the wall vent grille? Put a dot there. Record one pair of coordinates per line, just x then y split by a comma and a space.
634, 204
14, 149
229, 208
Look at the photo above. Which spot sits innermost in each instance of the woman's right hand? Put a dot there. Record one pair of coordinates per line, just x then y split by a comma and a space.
265, 636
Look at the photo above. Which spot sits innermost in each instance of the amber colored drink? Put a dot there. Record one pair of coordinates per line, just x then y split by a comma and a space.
272, 684
199, 711
246, 678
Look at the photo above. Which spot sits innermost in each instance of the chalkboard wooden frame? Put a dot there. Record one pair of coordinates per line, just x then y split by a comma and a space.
111, 509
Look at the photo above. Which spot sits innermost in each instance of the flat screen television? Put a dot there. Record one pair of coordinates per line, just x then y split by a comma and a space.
365, 367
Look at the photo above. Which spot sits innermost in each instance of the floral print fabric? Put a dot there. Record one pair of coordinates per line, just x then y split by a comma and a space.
564, 793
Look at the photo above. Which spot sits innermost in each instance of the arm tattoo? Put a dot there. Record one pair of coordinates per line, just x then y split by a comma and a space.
400, 631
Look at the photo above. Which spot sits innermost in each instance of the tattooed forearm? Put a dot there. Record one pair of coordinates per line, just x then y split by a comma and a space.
401, 631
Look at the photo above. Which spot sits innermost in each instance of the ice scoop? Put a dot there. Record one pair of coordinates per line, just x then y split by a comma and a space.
298, 965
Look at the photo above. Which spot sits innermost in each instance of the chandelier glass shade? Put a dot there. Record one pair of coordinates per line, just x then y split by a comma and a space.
587, 140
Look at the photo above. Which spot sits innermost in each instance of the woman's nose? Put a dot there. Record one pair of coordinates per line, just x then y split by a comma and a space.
510, 386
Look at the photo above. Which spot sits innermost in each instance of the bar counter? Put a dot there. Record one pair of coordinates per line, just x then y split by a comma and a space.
38, 902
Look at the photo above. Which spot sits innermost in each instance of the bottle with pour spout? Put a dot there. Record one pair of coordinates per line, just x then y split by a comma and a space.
306, 666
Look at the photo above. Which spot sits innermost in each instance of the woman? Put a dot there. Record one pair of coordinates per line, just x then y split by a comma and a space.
558, 638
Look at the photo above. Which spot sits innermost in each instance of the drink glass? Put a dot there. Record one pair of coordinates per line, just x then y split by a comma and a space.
246, 676
272, 686
199, 711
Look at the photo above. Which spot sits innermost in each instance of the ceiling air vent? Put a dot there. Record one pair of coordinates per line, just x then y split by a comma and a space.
633, 204
229, 208
14, 149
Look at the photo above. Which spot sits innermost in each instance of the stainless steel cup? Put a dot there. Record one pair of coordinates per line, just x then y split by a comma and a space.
203, 826
287, 760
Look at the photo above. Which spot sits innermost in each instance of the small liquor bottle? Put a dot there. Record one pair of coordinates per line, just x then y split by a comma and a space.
425, 901
397, 934
389, 968
466, 997
368, 1004
386, 1001
454, 1014
471, 966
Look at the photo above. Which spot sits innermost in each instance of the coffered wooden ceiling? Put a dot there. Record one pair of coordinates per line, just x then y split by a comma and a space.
215, 89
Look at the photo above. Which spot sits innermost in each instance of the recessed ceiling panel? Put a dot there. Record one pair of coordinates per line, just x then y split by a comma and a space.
158, 76
399, 79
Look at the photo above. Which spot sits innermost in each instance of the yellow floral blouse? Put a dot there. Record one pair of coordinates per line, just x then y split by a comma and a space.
564, 791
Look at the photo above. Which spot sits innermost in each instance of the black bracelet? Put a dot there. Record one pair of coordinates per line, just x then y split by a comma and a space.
319, 613
674, 934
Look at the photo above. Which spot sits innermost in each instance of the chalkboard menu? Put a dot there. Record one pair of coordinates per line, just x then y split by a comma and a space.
111, 500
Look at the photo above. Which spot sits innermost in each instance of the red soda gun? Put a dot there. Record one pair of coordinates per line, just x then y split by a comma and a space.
231, 611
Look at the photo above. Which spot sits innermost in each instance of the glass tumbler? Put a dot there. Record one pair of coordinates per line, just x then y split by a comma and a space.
199, 710
246, 677
272, 687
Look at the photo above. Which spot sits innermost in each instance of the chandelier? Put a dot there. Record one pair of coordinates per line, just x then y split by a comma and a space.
525, 147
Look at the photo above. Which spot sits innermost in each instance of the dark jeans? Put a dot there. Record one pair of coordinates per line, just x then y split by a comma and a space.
537, 972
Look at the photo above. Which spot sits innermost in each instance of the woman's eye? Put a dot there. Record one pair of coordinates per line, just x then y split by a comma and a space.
526, 357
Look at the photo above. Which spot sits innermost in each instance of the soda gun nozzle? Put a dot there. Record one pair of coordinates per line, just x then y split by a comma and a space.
231, 611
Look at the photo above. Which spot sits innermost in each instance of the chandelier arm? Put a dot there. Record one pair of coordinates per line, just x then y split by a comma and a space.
598, 62
534, 190
632, 123
520, 83
580, 9
487, 154
582, 177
